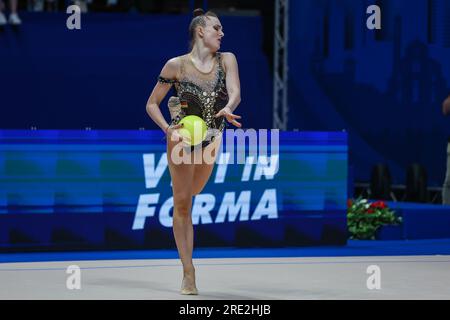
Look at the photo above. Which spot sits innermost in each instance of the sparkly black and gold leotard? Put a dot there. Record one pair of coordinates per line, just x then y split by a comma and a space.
201, 93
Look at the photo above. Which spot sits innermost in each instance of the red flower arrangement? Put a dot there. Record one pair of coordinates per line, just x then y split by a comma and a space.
365, 218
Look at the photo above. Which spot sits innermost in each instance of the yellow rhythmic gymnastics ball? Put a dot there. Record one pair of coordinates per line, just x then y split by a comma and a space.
193, 130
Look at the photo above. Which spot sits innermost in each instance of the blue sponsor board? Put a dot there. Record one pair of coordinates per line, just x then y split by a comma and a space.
63, 189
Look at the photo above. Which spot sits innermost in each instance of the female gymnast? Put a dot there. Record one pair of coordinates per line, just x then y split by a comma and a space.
207, 85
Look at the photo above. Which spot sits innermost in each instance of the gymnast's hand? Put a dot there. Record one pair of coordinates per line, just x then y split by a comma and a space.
226, 112
446, 106
173, 134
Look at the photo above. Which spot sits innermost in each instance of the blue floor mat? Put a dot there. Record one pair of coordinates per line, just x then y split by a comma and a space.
353, 248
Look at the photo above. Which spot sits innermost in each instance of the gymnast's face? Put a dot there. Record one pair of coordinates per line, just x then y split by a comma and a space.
212, 33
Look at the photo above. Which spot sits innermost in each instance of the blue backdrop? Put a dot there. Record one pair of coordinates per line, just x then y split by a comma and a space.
102, 75
385, 87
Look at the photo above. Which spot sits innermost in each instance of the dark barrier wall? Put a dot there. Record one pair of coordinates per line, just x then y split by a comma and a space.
101, 76
385, 87
62, 189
